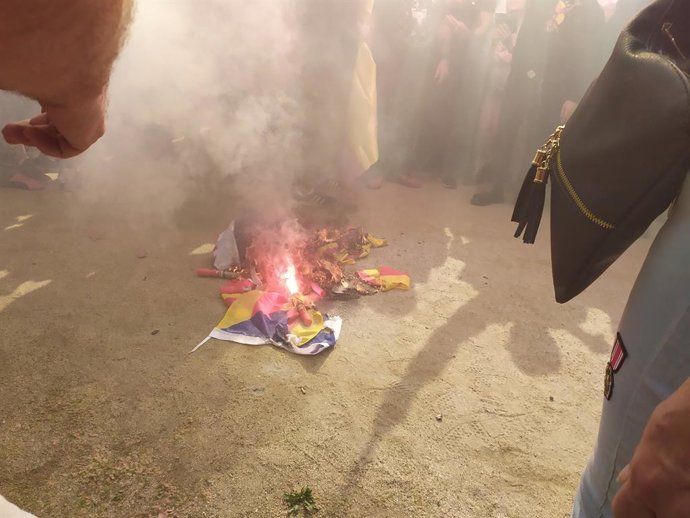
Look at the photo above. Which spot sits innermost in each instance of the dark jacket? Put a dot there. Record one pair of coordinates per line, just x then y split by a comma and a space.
529, 54
574, 53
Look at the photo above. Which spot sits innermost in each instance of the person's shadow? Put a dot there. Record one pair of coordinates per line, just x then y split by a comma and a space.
475, 303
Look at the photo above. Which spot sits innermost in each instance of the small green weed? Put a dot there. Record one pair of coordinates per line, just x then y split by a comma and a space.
300, 501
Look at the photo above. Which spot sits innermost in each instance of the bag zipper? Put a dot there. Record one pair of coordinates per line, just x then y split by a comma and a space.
549, 152
576, 199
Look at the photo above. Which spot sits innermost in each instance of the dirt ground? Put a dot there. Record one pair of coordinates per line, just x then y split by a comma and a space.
100, 417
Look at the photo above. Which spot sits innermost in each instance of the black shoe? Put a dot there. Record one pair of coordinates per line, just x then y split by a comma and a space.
309, 196
484, 198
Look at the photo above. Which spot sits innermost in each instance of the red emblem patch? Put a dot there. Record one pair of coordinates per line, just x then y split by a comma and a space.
618, 356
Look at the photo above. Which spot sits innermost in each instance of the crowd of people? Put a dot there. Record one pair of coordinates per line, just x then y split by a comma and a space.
468, 89
496, 80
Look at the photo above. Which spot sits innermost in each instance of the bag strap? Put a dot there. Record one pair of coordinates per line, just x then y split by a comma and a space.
664, 27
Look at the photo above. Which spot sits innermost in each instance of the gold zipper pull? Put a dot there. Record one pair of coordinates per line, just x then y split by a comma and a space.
542, 173
542, 159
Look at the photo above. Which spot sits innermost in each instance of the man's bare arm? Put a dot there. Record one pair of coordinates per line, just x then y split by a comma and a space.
60, 52
656, 483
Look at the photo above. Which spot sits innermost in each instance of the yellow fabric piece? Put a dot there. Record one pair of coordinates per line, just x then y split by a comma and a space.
305, 334
242, 309
376, 242
230, 296
343, 257
366, 250
389, 282
362, 120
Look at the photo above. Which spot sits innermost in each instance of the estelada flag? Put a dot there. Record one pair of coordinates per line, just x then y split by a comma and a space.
260, 317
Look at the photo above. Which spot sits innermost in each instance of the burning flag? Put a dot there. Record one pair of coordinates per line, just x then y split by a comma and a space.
260, 318
282, 270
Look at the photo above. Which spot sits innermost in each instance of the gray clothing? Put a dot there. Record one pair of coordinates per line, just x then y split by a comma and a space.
655, 330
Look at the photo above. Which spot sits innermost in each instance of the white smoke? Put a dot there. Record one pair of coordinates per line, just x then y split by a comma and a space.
203, 93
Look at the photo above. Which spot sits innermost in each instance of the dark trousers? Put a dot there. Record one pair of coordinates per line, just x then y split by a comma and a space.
442, 142
448, 126
329, 51
526, 113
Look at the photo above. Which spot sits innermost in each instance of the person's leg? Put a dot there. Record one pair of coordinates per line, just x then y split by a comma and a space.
651, 360
409, 98
328, 53
442, 101
427, 103
486, 133
513, 112
457, 138
481, 91
393, 158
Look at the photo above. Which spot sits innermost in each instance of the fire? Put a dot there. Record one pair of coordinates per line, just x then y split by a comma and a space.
290, 277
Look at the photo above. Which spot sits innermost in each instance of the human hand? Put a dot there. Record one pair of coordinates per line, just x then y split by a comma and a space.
455, 24
503, 33
567, 110
442, 70
502, 54
656, 483
61, 130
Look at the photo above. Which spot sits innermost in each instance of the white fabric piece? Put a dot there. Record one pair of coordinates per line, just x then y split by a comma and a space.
226, 253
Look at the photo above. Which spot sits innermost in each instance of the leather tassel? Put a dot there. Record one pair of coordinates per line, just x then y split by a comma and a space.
534, 211
529, 206
523, 201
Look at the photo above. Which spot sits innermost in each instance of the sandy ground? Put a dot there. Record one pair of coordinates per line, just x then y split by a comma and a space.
99, 417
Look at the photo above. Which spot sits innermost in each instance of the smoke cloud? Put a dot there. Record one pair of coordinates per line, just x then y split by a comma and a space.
204, 96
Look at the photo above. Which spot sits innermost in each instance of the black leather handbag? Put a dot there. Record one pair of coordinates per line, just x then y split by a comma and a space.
622, 157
